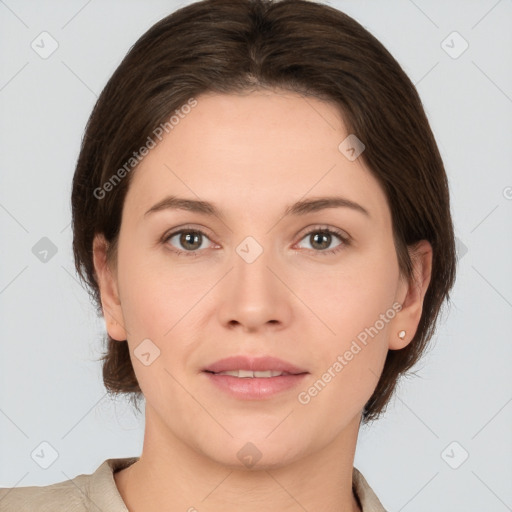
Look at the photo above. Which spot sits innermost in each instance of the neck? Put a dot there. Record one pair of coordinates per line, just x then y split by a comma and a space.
171, 475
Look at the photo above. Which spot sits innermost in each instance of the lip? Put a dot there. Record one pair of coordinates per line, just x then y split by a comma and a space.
254, 364
255, 388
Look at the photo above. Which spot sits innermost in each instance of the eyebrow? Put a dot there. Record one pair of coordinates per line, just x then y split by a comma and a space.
299, 208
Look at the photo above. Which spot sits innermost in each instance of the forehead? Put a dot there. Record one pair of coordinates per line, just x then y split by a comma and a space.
242, 150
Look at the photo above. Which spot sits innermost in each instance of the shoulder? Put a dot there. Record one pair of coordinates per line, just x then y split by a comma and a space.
83, 493
367, 497
46, 498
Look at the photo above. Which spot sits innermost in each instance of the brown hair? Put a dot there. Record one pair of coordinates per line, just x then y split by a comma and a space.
229, 46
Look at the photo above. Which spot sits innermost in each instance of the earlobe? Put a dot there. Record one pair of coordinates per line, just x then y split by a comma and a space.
413, 293
109, 292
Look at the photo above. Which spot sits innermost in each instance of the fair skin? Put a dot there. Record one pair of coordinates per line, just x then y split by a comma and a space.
252, 156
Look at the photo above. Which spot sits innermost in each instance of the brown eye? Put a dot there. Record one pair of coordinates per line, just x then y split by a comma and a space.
321, 240
190, 241
187, 241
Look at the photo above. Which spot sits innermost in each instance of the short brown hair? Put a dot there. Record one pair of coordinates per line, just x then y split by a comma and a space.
230, 46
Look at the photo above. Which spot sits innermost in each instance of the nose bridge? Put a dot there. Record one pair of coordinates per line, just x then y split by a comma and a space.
251, 273
253, 296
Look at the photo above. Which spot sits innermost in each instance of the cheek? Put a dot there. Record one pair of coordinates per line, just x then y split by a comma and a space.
357, 306
355, 296
158, 304
155, 293
349, 360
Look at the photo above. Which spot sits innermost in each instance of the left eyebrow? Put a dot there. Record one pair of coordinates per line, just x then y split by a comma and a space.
320, 203
299, 208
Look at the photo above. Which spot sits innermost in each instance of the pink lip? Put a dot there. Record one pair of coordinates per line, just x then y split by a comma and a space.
254, 364
256, 388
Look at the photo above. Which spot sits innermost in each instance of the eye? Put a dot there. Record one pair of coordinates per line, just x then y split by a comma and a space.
188, 242
320, 239
189, 239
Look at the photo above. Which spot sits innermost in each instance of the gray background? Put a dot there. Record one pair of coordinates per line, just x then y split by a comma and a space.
51, 388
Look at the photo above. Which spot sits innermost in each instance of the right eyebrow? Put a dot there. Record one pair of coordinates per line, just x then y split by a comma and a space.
180, 203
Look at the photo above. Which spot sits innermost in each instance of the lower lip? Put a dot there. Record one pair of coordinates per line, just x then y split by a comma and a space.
254, 388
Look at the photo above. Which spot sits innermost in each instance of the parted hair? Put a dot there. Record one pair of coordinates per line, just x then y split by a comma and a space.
232, 46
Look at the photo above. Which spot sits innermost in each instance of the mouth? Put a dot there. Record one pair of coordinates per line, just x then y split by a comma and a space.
249, 374
250, 378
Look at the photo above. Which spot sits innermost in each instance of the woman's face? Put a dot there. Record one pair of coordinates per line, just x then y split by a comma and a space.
260, 278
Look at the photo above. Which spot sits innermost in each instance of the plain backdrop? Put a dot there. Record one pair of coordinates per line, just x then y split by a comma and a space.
445, 442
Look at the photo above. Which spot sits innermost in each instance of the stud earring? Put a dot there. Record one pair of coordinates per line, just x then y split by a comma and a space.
401, 335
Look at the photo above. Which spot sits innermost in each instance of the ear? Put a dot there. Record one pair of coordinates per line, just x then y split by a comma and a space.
412, 293
109, 292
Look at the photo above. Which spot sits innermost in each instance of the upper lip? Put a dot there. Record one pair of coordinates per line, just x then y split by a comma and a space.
255, 364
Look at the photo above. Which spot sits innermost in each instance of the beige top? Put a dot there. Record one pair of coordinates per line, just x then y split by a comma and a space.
98, 492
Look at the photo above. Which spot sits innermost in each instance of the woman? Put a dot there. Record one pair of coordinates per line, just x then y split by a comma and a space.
262, 215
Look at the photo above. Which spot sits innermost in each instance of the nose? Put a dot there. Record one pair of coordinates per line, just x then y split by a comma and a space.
254, 296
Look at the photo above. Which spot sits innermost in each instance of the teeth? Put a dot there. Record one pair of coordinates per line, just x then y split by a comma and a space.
245, 374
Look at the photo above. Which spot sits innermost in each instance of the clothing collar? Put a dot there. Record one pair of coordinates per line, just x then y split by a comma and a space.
104, 492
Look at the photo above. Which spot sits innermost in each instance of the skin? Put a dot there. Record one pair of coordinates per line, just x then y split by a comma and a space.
252, 155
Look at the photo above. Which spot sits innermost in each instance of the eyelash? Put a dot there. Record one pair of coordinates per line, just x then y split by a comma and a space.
344, 239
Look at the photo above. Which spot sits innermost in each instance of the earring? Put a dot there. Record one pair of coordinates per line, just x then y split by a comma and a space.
401, 335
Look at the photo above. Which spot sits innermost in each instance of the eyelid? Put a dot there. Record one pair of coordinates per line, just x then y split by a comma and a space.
187, 227
324, 227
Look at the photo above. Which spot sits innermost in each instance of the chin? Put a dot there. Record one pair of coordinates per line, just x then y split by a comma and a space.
254, 452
